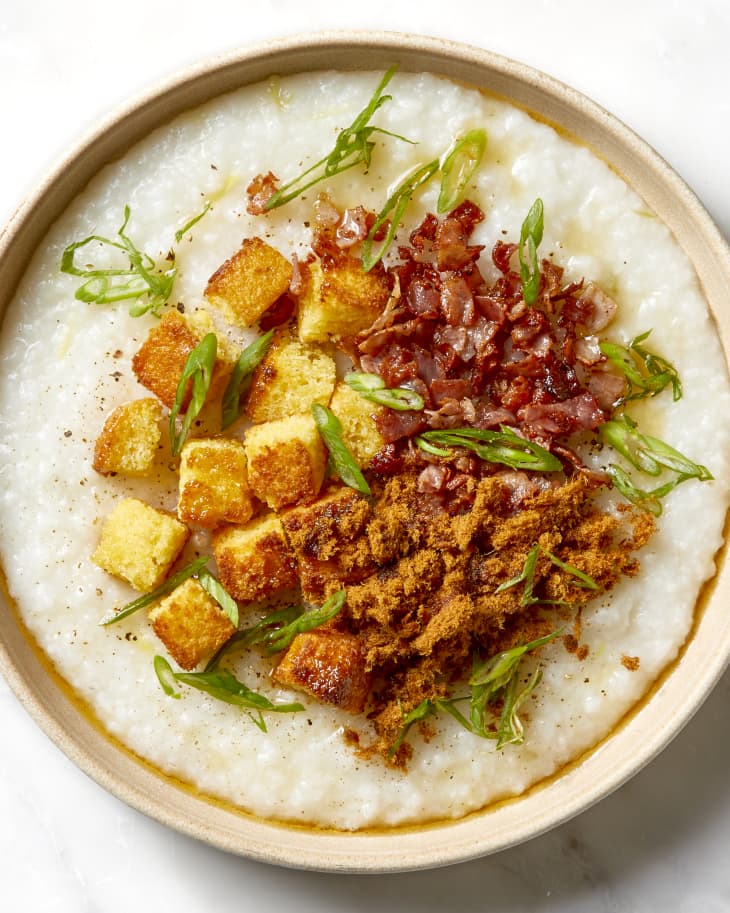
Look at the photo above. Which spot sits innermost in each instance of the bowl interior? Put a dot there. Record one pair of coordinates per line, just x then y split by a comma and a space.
674, 698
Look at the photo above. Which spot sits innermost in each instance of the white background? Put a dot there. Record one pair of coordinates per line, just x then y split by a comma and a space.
659, 843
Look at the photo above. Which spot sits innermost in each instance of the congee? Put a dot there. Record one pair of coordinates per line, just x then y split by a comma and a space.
364, 449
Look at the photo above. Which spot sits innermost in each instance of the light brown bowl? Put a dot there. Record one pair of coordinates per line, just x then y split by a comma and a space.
640, 737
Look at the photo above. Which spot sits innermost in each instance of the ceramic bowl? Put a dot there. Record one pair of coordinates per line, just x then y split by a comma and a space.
674, 698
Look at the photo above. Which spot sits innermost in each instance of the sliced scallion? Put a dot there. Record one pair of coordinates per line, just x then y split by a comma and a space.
458, 167
504, 446
530, 239
241, 374
372, 387
330, 428
198, 369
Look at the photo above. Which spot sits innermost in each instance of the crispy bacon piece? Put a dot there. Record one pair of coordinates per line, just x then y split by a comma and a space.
260, 191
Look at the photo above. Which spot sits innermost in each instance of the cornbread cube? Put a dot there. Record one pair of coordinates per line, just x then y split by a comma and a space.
329, 666
139, 544
249, 282
327, 539
190, 624
291, 377
160, 361
286, 460
213, 485
128, 441
254, 561
357, 416
341, 300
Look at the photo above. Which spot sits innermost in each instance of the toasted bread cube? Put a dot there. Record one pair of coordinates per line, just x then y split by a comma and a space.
327, 542
329, 666
254, 561
291, 377
190, 624
139, 544
286, 460
340, 301
357, 416
159, 363
249, 282
213, 484
129, 439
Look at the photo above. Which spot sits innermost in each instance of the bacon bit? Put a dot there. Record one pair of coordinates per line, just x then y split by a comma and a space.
260, 191
280, 312
353, 226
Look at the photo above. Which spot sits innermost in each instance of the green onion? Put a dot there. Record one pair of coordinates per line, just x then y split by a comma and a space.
492, 681
199, 369
258, 634
649, 455
420, 712
396, 203
244, 368
353, 146
503, 446
510, 730
191, 570
224, 686
214, 588
646, 374
530, 238
372, 387
458, 166
330, 428
140, 280
527, 576
280, 639
180, 233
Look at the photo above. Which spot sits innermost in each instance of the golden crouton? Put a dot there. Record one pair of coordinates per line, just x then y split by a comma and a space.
160, 361
357, 416
291, 377
254, 561
213, 486
129, 439
327, 542
249, 283
190, 624
139, 544
329, 666
286, 460
340, 301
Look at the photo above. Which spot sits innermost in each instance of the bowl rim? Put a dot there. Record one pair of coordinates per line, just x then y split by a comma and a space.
678, 693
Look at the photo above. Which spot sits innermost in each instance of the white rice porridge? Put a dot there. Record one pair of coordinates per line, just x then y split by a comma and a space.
66, 364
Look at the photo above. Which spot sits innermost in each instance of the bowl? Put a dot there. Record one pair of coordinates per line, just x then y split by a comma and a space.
673, 699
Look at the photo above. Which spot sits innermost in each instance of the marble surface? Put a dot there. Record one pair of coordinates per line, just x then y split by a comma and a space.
658, 843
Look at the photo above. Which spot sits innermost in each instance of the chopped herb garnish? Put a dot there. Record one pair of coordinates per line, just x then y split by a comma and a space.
372, 387
224, 686
281, 638
257, 635
241, 374
649, 455
527, 576
353, 146
493, 681
646, 373
395, 204
191, 570
330, 428
199, 370
530, 238
504, 446
214, 588
142, 280
181, 232
458, 166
